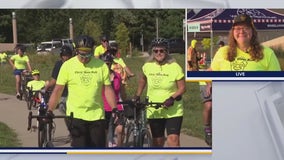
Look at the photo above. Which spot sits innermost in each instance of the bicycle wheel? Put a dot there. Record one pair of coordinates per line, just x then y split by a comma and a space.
42, 135
129, 139
146, 139
49, 129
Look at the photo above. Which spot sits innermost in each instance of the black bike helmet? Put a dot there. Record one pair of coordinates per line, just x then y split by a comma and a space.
113, 45
65, 51
113, 48
104, 38
107, 57
160, 42
21, 47
84, 42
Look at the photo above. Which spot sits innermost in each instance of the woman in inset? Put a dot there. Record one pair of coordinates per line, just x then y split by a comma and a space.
244, 52
165, 83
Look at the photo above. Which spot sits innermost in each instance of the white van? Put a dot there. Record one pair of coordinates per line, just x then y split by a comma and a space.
49, 46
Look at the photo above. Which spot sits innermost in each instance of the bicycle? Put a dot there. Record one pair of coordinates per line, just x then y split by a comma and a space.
136, 130
33, 99
46, 126
25, 78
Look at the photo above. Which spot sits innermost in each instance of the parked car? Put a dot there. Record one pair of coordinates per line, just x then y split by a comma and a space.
176, 45
66, 41
49, 47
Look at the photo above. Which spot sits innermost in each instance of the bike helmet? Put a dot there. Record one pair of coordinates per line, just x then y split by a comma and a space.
160, 42
107, 56
113, 48
65, 51
84, 42
104, 38
113, 45
21, 47
35, 71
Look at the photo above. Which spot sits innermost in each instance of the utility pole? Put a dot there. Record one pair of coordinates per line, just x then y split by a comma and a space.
142, 41
71, 29
14, 23
157, 27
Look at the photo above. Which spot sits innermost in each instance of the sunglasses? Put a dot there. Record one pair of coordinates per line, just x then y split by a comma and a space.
158, 50
84, 55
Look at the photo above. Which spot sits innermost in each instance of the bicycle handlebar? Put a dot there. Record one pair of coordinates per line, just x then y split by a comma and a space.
40, 117
142, 104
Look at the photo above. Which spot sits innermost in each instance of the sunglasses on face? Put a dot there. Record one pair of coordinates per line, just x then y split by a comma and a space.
85, 55
158, 50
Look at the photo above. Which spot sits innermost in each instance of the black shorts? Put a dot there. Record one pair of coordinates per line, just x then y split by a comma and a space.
203, 96
172, 126
88, 133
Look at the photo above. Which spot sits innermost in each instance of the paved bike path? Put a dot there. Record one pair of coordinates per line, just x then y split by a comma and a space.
14, 113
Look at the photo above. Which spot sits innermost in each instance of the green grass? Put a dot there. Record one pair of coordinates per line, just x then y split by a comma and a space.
8, 137
192, 123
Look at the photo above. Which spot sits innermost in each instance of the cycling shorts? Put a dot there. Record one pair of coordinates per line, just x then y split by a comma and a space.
203, 96
18, 71
88, 133
172, 126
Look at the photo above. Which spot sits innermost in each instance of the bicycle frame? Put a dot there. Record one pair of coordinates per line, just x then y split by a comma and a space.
46, 126
137, 128
25, 77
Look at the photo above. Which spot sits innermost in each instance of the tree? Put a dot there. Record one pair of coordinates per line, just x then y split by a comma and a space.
122, 38
94, 30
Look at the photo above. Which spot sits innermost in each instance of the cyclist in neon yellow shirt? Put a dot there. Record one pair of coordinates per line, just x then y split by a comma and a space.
86, 77
36, 85
244, 52
3, 58
101, 49
165, 83
19, 62
119, 64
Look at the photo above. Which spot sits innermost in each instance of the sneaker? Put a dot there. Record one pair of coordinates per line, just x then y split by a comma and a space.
18, 96
208, 135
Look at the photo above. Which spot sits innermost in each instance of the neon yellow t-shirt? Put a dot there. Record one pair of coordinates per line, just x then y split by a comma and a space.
20, 62
84, 82
119, 61
161, 84
36, 85
243, 62
3, 57
99, 50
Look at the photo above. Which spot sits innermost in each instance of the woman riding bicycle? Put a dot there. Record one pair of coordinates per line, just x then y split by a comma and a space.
19, 62
165, 84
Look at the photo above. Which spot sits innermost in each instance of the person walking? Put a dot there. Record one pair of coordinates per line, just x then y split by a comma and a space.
19, 62
65, 54
3, 58
165, 83
193, 57
102, 48
115, 78
86, 77
206, 99
244, 52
